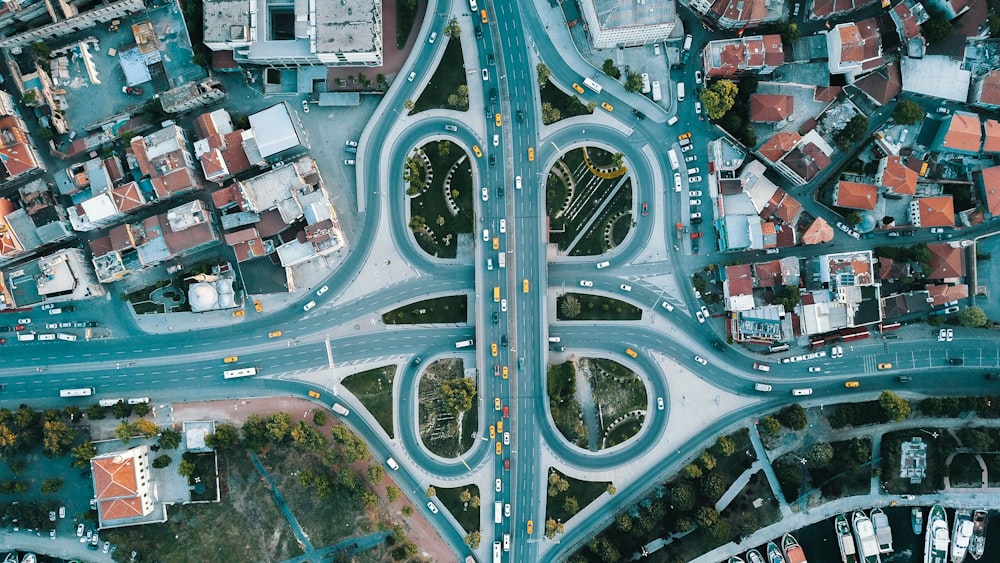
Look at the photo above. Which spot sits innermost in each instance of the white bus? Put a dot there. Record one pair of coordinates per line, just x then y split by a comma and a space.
502, 259
674, 163
80, 392
589, 83
242, 372
496, 552
497, 512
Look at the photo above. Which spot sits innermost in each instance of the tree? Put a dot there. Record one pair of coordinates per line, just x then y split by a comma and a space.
793, 417
543, 74
748, 524
570, 307
820, 454
142, 409
186, 468
937, 28
279, 425
908, 112
684, 525
557, 484
789, 297
719, 532
769, 425
375, 473
972, 317
369, 499
571, 505
682, 496
977, 440
453, 30
408, 105
161, 461
550, 114
308, 437
707, 460
254, 432
146, 427
895, 407
692, 471
458, 394
95, 412
633, 81
853, 132
611, 69
713, 485
465, 496
83, 453
121, 409
473, 538
706, 516
319, 418
612, 489
474, 502
789, 32
57, 437
225, 438
46, 133
170, 439
719, 98
726, 445
41, 50
51, 486
124, 432
553, 528
431, 491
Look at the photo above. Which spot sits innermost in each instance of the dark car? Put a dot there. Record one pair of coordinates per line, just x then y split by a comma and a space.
499, 191
903, 379
993, 376
638, 114
479, 32
955, 361
79, 324
520, 116
493, 160
496, 317
493, 95
416, 361
696, 220
93, 324
490, 60
718, 345
907, 233
503, 341
68, 308
4, 329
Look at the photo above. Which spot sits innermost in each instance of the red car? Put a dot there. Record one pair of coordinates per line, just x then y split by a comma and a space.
645, 209
18, 327
696, 234
506, 412
3, 340
506, 464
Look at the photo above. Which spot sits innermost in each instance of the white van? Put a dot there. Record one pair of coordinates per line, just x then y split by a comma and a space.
672, 121
66, 337
802, 392
506, 542
25, 336
555, 339
680, 91
392, 464
761, 367
762, 387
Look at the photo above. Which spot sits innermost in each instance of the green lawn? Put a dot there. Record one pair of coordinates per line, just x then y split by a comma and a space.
584, 493
450, 74
618, 392
374, 389
598, 308
203, 480
567, 106
741, 513
562, 401
430, 207
468, 517
406, 14
451, 309
964, 471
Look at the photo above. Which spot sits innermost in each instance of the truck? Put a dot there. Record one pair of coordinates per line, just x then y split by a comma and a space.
590, 83
497, 512
657, 92
680, 91
339, 409
687, 42
464, 343
502, 259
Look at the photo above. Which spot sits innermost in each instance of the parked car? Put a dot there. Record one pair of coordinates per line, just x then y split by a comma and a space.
694, 202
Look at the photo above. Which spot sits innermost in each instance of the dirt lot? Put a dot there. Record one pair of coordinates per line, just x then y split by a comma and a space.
247, 526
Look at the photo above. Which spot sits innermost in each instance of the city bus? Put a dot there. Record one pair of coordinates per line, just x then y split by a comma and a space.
589, 83
242, 372
674, 163
79, 392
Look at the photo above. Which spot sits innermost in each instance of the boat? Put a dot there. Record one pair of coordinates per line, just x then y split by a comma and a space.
883, 532
848, 553
29, 558
978, 543
961, 535
774, 554
864, 535
793, 551
754, 556
936, 537
917, 520
11, 557
736, 559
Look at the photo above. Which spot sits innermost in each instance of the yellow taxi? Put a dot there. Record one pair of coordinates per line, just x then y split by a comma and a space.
231, 359
239, 313
475, 149
505, 372
493, 349
631, 352
499, 426
496, 243
498, 120
885, 365
578, 88
531, 527
607, 106
493, 432
499, 448
524, 286
482, 16
314, 394
852, 384
257, 306
531, 154
274, 334
683, 136
496, 403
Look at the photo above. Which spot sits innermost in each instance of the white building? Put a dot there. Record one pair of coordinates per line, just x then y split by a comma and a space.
612, 23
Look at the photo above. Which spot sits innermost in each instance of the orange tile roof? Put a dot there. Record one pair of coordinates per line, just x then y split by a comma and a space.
779, 145
991, 133
818, 232
770, 108
991, 188
855, 195
990, 93
898, 177
128, 197
942, 294
937, 211
947, 261
851, 50
964, 132
114, 477
118, 508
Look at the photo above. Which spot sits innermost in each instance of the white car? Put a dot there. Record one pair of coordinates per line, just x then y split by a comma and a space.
431, 507
489, 264
837, 352
942, 334
694, 193
586, 283
691, 158
696, 215
694, 179
486, 194
668, 306
105, 549
79, 530
701, 318
309, 305
701, 360
51, 326
602, 265
677, 181
686, 148
697, 77
24, 321
517, 182
496, 140
503, 225
486, 74
411, 76
506, 510
322, 290
625, 287
937, 231
503, 305
349, 161
950, 335
704, 311
659, 403
694, 202
506, 438
499, 485
815, 369
433, 37
697, 108
350, 143
305, 106
486, 235
48, 306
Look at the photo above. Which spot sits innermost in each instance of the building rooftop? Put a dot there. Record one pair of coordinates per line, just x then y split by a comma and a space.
936, 211
855, 195
770, 108
947, 262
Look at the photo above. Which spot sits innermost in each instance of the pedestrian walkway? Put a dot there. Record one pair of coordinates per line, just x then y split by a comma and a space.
279, 500
349, 546
772, 479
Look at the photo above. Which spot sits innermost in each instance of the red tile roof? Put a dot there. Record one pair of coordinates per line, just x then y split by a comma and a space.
740, 280
827, 93
818, 232
937, 211
898, 177
779, 145
909, 23
991, 132
128, 197
851, 50
882, 85
788, 210
806, 161
16, 153
991, 189
116, 486
942, 294
768, 274
964, 132
9, 244
770, 108
990, 93
946, 261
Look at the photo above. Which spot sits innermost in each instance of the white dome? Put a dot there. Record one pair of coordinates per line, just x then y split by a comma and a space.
202, 297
